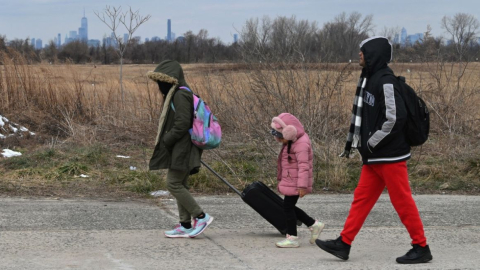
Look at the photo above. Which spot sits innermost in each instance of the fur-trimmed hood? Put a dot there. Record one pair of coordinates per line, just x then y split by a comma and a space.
168, 71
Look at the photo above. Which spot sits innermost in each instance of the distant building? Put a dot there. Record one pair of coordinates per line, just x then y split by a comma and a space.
110, 41
155, 38
38, 44
396, 39
169, 30
403, 37
83, 30
147, 39
235, 38
32, 42
72, 35
59, 40
412, 39
173, 36
93, 43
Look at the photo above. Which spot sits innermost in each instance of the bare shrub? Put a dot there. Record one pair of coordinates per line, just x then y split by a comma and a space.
82, 104
246, 101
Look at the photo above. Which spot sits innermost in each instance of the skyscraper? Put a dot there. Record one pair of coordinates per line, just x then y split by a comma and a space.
83, 30
73, 35
38, 44
59, 40
403, 36
169, 30
396, 40
235, 38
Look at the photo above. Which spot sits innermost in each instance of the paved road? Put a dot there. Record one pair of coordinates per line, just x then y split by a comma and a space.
96, 234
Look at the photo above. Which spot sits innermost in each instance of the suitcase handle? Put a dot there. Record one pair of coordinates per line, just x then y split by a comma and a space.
221, 178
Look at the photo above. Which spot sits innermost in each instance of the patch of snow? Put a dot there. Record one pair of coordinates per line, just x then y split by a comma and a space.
84, 175
120, 156
14, 129
159, 193
9, 153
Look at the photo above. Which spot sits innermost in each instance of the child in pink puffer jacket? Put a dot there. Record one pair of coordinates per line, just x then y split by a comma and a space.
295, 175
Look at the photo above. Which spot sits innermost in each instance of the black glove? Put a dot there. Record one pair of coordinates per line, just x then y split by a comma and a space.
345, 153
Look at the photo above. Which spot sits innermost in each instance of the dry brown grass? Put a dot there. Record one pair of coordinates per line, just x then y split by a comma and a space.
81, 104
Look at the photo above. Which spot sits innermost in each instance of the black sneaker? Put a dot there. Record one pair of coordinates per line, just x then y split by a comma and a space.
417, 254
335, 247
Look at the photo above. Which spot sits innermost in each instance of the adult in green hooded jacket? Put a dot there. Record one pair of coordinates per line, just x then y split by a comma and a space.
174, 149
173, 146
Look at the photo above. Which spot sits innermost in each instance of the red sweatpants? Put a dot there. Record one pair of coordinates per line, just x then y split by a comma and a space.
373, 180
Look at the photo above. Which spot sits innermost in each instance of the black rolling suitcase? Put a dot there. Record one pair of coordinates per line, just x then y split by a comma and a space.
263, 200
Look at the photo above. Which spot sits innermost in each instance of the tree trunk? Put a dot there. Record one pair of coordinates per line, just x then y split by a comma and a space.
121, 81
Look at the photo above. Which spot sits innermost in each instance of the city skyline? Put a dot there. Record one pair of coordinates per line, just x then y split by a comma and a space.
402, 37
220, 20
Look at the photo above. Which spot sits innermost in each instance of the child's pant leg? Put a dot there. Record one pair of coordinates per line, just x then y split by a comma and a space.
396, 179
366, 194
177, 186
289, 208
304, 217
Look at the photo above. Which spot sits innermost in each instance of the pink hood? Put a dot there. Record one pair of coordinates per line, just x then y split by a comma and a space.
289, 126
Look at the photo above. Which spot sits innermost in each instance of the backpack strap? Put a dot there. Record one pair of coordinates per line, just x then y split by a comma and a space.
181, 87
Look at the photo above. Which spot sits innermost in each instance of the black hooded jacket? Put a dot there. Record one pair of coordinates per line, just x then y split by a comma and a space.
383, 113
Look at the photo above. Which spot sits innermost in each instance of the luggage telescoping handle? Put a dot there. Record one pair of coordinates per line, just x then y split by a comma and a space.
221, 178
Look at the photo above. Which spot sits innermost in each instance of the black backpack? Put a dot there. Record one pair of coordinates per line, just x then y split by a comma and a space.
418, 120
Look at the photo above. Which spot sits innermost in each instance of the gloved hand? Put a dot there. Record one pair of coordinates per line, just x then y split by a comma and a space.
345, 153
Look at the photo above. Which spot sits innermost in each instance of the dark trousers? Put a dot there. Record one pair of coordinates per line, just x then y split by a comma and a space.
293, 213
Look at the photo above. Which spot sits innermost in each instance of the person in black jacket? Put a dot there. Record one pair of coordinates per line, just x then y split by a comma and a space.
377, 131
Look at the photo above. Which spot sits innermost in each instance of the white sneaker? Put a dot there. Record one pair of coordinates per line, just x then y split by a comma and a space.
289, 242
316, 229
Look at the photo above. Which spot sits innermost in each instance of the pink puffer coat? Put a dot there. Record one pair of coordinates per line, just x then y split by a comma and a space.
298, 172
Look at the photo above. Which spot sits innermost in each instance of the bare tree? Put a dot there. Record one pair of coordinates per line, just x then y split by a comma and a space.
341, 37
390, 33
357, 29
282, 39
51, 52
114, 18
462, 29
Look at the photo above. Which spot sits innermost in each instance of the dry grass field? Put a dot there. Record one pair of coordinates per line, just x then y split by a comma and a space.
82, 124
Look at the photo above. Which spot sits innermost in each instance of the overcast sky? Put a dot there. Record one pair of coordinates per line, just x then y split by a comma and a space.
222, 18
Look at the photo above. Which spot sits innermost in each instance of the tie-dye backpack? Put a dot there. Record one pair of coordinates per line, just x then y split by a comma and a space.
206, 132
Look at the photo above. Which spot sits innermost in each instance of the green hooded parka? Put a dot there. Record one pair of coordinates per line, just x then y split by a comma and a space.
173, 147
